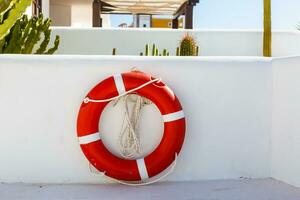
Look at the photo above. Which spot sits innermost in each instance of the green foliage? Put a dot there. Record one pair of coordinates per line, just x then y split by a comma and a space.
187, 47
20, 35
55, 47
147, 50
154, 51
177, 51
114, 51
10, 12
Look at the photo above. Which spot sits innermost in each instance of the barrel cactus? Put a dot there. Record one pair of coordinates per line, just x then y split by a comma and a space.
188, 46
20, 35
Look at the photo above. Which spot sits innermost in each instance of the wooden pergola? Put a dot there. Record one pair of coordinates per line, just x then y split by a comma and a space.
176, 8
36, 7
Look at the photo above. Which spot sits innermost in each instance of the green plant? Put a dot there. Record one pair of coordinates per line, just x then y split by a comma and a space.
154, 51
10, 12
20, 35
114, 51
187, 47
177, 51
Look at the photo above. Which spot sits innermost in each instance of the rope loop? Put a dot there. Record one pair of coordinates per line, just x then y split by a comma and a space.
88, 100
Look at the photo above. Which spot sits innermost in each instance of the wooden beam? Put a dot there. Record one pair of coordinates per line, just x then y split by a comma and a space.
267, 43
171, 7
144, 1
180, 10
175, 23
36, 8
97, 21
188, 16
107, 4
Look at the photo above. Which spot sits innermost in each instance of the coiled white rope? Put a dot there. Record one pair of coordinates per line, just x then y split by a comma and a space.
129, 139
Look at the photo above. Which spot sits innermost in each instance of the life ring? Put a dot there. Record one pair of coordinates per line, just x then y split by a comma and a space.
90, 138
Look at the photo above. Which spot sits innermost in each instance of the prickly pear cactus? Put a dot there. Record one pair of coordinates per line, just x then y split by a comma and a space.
20, 35
188, 46
10, 12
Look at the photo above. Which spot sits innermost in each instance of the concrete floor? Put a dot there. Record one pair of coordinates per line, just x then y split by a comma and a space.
264, 189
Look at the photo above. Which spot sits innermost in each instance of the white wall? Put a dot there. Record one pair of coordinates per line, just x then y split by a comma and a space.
82, 16
76, 13
60, 15
286, 120
212, 42
226, 101
286, 43
46, 8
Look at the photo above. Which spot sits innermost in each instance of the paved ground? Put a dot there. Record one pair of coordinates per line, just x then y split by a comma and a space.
266, 189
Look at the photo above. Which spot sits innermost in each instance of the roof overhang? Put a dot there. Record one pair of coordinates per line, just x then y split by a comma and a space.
152, 7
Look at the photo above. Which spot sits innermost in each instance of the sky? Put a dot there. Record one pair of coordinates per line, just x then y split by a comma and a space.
238, 14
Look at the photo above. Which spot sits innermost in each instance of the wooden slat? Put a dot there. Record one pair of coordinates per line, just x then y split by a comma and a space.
146, 6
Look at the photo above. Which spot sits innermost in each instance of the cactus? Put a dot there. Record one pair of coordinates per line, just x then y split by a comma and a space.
55, 47
23, 34
114, 51
177, 51
165, 52
154, 51
147, 50
11, 12
187, 46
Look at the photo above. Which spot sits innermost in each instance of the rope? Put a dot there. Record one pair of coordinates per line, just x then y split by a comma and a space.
129, 140
87, 99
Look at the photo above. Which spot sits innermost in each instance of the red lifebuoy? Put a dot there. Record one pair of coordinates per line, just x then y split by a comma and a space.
89, 134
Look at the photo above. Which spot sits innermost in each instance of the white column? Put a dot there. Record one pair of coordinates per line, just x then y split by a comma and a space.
46, 8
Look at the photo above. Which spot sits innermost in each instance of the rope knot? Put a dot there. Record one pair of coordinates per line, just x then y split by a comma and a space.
86, 100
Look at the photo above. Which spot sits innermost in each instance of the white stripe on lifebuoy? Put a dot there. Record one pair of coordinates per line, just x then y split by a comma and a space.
173, 116
119, 83
89, 138
142, 168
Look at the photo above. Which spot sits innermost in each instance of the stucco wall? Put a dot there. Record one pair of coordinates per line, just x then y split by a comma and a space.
286, 120
226, 101
212, 42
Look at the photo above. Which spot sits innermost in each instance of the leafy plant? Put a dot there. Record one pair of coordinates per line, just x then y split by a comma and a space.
20, 35
187, 47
